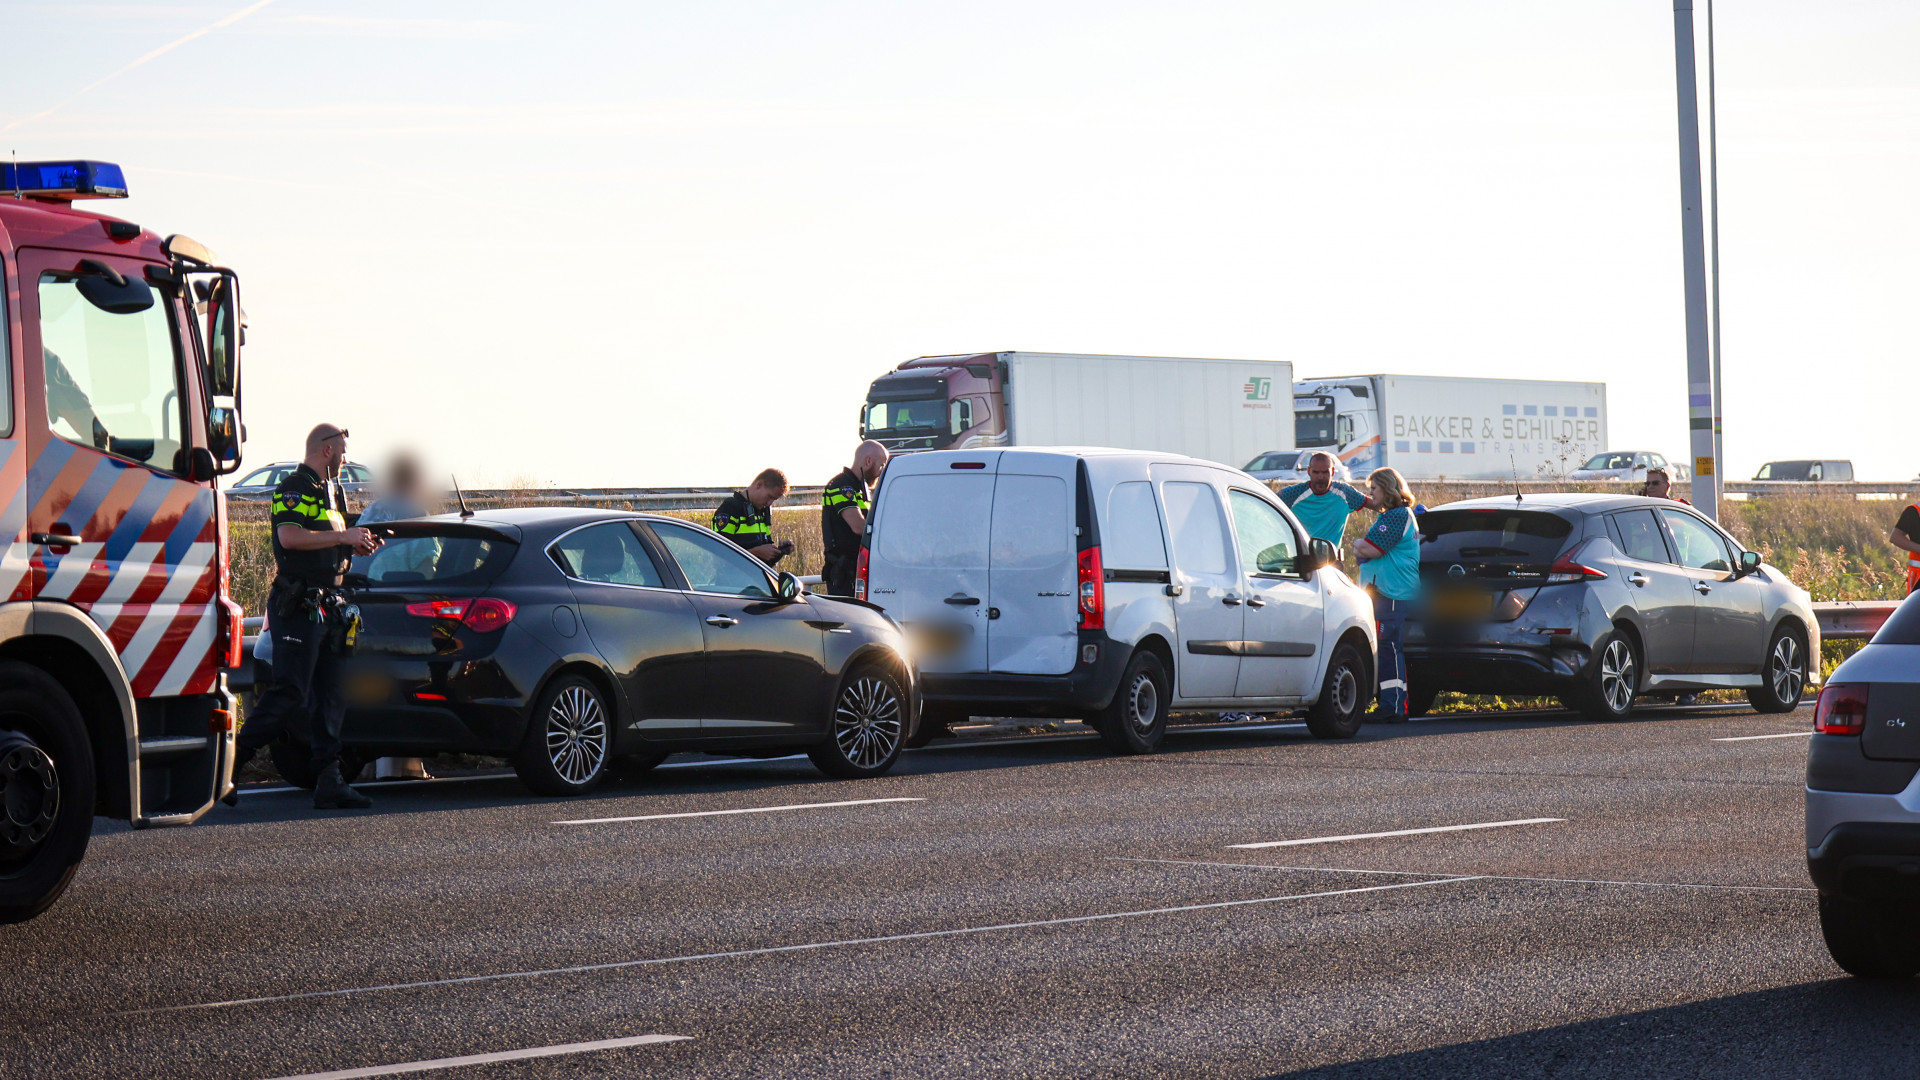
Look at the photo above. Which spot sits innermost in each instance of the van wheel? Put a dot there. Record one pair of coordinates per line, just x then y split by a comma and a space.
46, 791
1344, 696
569, 738
1869, 941
1783, 677
1136, 721
1420, 698
934, 721
867, 728
1611, 683
293, 760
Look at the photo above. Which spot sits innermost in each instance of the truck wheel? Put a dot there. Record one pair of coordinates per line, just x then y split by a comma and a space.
569, 737
1869, 941
867, 727
1783, 678
1136, 721
1612, 681
1344, 695
46, 791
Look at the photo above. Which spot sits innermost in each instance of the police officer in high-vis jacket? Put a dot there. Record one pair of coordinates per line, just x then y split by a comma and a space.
307, 616
843, 515
746, 517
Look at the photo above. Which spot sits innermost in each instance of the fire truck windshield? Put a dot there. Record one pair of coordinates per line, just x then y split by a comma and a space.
901, 417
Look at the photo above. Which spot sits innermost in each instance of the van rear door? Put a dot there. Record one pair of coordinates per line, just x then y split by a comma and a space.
1032, 616
927, 555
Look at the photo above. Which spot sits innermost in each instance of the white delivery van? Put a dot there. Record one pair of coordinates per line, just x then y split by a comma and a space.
1113, 586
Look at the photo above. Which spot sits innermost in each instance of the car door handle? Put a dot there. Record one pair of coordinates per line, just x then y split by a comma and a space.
54, 539
1702, 588
1254, 601
962, 601
722, 620
1638, 578
1230, 601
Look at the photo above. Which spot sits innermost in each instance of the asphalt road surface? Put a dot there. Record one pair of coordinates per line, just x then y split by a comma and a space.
1636, 906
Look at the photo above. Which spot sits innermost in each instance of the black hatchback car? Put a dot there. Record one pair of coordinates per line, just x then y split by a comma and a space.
573, 641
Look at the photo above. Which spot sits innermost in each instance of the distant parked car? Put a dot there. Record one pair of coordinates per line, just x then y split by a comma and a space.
1628, 465
1825, 469
355, 479
1290, 467
572, 640
1598, 599
1863, 817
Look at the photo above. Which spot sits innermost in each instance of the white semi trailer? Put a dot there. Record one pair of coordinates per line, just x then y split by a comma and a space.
1434, 427
1218, 410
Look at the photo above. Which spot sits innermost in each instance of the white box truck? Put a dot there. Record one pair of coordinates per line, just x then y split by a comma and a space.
1217, 410
1434, 427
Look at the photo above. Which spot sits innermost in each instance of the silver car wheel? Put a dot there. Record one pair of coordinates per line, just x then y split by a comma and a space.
1617, 675
1143, 703
866, 723
1346, 691
576, 735
1787, 675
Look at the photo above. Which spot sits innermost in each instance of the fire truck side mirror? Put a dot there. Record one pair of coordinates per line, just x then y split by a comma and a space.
224, 338
223, 438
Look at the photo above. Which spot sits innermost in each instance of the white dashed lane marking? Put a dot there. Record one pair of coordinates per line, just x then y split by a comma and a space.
1782, 735
489, 1059
725, 813
1400, 832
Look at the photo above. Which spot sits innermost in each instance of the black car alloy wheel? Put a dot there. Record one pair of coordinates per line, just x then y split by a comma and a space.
569, 738
868, 725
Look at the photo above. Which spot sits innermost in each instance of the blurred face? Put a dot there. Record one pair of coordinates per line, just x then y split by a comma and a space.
336, 451
1382, 494
761, 495
1319, 473
1658, 486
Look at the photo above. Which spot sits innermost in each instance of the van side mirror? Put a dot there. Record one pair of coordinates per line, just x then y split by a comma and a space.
1319, 553
788, 586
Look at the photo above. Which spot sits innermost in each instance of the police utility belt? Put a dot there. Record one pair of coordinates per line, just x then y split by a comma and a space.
326, 606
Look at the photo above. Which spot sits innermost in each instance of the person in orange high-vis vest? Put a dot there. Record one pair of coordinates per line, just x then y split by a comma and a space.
1906, 537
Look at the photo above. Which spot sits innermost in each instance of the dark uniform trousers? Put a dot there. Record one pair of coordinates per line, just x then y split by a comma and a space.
839, 574
306, 676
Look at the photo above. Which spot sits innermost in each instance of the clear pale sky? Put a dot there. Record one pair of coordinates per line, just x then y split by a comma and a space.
665, 243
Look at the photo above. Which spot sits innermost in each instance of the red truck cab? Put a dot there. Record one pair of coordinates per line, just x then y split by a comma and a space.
119, 409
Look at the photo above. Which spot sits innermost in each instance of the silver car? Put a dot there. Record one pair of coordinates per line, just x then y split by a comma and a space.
355, 479
1599, 599
1290, 467
1863, 803
1628, 465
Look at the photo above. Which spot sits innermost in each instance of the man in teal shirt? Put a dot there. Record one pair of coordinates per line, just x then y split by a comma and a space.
1322, 503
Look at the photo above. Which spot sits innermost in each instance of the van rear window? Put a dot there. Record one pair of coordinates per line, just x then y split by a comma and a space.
1492, 535
937, 520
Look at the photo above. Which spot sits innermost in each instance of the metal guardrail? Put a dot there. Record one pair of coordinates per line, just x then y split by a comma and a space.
1852, 620
637, 498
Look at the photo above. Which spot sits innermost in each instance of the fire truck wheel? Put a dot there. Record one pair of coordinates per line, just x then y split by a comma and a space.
46, 790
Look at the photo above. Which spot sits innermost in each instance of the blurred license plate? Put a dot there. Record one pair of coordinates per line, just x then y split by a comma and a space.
929, 641
1464, 604
368, 688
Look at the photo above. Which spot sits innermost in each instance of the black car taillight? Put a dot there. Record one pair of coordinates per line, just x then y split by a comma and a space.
481, 615
1841, 710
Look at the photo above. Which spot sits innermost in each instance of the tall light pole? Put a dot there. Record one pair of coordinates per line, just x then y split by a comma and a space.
1700, 396
1713, 240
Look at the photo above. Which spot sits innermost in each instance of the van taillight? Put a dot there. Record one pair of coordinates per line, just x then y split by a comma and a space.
1093, 591
1841, 710
1569, 568
860, 576
482, 616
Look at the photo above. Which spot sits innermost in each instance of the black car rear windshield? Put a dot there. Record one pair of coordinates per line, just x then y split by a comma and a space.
434, 560
1903, 627
1492, 535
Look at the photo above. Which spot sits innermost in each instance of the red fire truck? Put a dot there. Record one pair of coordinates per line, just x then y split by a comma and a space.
119, 408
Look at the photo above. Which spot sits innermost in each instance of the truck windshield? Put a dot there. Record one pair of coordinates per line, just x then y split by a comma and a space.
891, 417
1523, 536
1313, 422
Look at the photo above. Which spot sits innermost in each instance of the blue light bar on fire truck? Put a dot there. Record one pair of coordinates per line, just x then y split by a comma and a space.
64, 181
